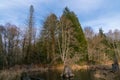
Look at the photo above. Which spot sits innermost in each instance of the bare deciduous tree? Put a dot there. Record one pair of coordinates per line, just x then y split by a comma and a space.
66, 41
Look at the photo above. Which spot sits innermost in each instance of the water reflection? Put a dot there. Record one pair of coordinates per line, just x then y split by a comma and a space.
55, 75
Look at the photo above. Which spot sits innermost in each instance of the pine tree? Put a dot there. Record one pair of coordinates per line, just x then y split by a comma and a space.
48, 36
30, 36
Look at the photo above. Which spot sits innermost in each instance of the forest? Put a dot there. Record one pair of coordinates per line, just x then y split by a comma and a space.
61, 40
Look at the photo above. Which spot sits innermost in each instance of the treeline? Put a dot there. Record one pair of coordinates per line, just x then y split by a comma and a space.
60, 41
103, 47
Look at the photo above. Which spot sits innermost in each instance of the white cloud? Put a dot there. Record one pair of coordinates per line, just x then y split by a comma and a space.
84, 6
13, 4
107, 22
15, 10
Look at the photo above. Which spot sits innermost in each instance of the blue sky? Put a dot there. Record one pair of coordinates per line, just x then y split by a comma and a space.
97, 14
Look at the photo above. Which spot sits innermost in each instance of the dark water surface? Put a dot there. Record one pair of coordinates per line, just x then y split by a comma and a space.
55, 75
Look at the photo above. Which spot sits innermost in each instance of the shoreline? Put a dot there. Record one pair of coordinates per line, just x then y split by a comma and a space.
15, 72
55, 67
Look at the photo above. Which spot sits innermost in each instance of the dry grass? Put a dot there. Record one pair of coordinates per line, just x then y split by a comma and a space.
10, 75
15, 72
106, 75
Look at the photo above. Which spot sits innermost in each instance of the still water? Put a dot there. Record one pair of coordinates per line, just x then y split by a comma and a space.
55, 75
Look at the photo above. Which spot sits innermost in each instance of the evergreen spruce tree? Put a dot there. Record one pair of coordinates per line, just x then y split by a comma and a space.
81, 47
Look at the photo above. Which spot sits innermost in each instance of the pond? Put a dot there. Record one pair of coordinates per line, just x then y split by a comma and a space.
55, 75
